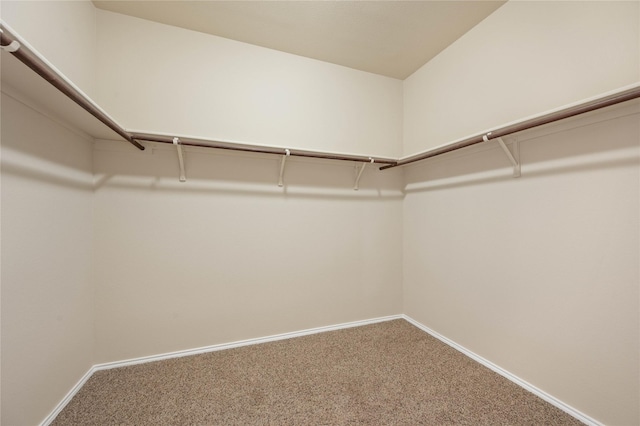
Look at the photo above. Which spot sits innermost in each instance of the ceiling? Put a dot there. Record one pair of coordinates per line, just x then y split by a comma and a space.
391, 38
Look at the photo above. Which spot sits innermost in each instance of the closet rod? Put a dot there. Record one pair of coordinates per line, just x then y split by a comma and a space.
234, 146
46, 71
9, 40
613, 99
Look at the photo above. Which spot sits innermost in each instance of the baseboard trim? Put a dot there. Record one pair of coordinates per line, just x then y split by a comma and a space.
74, 390
504, 373
205, 349
240, 343
273, 338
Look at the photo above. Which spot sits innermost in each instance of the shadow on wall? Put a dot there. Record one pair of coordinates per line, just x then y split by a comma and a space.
206, 173
219, 171
608, 138
75, 180
37, 148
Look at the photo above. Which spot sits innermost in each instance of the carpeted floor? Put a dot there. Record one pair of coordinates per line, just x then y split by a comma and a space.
389, 373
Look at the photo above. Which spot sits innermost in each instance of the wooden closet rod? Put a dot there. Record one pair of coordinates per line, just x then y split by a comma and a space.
18, 48
235, 146
13, 44
592, 105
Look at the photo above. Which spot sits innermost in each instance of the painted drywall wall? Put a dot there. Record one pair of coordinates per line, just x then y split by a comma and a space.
526, 58
64, 32
162, 311
47, 307
539, 274
228, 255
158, 78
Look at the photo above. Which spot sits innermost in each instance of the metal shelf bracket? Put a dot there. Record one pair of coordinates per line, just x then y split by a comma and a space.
356, 186
282, 162
514, 157
176, 142
11, 47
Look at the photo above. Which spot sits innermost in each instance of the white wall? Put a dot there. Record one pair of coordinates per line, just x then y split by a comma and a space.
47, 305
64, 32
229, 255
540, 274
525, 58
250, 256
159, 78
283, 271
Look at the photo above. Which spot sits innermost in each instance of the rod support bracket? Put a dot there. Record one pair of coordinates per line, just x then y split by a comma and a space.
176, 142
514, 157
356, 185
287, 153
11, 47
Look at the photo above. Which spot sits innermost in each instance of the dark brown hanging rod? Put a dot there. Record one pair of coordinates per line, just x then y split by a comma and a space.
234, 146
568, 112
11, 43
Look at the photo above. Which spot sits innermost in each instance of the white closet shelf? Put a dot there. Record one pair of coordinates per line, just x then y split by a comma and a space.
59, 95
49, 88
263, 149
21, 50
604, 100
19, 82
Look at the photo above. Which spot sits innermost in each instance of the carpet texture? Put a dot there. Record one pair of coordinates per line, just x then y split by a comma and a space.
388, 373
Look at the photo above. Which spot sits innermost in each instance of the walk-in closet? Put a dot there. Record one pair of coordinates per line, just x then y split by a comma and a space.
321, 212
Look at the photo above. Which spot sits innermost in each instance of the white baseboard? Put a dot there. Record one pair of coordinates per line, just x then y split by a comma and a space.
177, 354
74, 390
504, 373
106, 366
240, 343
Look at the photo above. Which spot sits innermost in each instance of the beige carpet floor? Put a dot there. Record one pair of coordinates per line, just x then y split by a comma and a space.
388, 373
